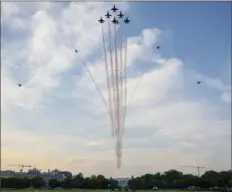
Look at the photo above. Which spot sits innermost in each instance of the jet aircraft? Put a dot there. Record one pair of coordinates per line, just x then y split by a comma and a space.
120, 15
101, 20
114, 21
127, 20
114, 9
108, 15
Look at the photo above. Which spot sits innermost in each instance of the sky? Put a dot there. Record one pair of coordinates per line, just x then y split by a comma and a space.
57, 118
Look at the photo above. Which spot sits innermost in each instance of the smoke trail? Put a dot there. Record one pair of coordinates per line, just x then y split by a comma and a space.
108, 82
97, 87
116, 78
117, 96
120, 97
125, 81
135, 89
112, 75
119, 151
121, 85
121, 105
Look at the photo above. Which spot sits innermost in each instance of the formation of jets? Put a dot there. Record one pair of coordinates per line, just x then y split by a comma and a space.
114, 21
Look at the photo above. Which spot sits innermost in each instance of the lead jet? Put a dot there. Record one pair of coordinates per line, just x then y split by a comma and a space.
198, 82
108, 15
120, 15
158, 47
114, 9
127, 20
76, 50
101, 20
20, 85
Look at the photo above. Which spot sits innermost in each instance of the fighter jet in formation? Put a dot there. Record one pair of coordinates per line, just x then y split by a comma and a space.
108, 15
114, 9
120, 15
114, 21
127, 20
198, 82
101, 20
158, 47
20, 85
76, 50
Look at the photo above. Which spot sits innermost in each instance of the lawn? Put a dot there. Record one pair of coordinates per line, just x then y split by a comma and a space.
82, 190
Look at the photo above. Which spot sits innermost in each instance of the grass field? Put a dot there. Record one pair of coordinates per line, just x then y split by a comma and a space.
82, 190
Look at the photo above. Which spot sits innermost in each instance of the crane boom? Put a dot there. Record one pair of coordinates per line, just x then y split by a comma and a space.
198, 168
22, 166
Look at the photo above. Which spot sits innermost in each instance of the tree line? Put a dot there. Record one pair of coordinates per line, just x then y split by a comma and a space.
176, 179
167, 180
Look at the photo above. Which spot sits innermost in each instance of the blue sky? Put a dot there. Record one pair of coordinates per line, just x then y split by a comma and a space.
199, 30
59, 115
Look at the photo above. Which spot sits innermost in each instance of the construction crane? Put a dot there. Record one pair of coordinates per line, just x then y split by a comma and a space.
198, 168
22, 166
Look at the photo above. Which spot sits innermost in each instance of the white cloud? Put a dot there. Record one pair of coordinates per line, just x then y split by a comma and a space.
226, 96
176, 123
50, 46
8, 10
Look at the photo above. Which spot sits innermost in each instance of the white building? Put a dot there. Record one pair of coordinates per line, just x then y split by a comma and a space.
33, 173
123, 182
7, 173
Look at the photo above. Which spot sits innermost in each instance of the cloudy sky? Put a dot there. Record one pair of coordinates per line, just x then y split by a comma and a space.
58, 120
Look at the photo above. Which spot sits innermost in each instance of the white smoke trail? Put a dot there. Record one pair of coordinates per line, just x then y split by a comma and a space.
121, 85
116, 79
108, 81
97, 87
125, 86
112, 75
135, 89
117, 97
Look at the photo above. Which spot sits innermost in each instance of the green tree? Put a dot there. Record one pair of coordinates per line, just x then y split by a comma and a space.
53, 183
78, 181
37, 182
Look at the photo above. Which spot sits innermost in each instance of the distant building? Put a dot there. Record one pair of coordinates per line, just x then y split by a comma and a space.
33, 172
123, 182
7, 173
67, 173
59, 175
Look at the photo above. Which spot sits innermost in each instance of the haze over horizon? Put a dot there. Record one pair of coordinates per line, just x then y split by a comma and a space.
57, 118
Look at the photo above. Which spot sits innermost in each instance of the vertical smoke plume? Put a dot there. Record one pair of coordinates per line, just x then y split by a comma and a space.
116, 74
115, 57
